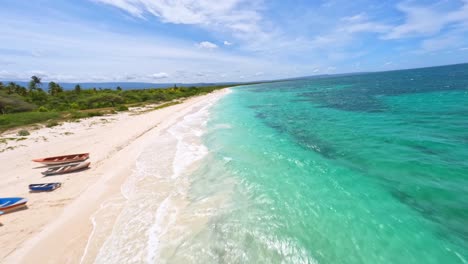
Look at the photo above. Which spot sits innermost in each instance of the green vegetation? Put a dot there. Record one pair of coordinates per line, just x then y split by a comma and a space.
23, 133
21, 106
121, 108
52, 123
165, 105
26, 118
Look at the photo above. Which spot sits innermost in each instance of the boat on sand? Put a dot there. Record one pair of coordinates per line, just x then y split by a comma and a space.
9, 204
66, 168
44, 187
63, 159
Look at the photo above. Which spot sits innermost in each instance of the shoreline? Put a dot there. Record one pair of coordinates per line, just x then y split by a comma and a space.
64, 219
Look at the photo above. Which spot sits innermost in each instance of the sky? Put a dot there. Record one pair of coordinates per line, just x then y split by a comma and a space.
168, 41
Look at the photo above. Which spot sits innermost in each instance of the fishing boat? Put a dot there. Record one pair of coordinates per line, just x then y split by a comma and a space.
12, 203
44, 187
66, 168
63, 159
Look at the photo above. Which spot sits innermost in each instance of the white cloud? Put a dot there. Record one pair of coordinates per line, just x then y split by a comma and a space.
45, 76
427, 21
419, 21
259, 73
274, 45
9, 76
240, 19
125, 5
99, 78
159, 75
443, 42
40, 74
207, 45
37, 53
366, 27
355, 18
227, 13
335, 42
128, 58
130, 77
361, 23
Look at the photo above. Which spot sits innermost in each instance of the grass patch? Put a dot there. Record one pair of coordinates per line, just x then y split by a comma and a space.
23, 133
83, 114
9, 148
26, 118
52, 123
166, 105
94, 113
78, 115
121, 108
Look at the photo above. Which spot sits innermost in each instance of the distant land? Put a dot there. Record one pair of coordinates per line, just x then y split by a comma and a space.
123, 85
146, 85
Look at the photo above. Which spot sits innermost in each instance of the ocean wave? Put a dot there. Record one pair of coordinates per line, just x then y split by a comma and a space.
156, 191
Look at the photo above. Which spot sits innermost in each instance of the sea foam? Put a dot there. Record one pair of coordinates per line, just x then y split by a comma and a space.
156, 191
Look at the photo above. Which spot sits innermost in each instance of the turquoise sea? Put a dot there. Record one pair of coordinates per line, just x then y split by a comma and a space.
369, 168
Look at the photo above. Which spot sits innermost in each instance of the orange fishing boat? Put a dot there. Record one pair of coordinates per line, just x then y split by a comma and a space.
63, 159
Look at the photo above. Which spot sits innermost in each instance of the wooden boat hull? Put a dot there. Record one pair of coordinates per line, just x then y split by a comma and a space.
63, 159
66, 168
44, 187
12, 203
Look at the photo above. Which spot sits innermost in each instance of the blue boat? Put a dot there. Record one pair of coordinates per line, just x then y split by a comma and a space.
44, 187
12, 203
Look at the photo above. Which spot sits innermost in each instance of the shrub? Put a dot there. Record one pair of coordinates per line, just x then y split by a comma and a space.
121, 108
91, 114
52, 124
77, 114
25, 118
23, 133
43, 109
75, 106
11, 103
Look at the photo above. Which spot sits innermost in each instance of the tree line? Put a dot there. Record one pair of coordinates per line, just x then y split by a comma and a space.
15, 98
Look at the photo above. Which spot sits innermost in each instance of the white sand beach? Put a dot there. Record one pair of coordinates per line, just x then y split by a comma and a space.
56, 226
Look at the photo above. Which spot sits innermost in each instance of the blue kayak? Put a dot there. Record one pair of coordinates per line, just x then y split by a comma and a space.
12, 203
44, 187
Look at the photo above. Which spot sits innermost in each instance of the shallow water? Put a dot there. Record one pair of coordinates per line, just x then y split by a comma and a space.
357, 169
369, 168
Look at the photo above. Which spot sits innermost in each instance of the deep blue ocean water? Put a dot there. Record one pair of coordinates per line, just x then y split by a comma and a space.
369, 168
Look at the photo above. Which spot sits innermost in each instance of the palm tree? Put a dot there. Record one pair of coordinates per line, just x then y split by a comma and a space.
35, 81
77, 88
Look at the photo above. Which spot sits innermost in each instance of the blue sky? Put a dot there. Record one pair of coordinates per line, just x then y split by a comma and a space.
225, 40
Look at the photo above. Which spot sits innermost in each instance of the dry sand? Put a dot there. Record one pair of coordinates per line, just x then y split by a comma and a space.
56, 226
